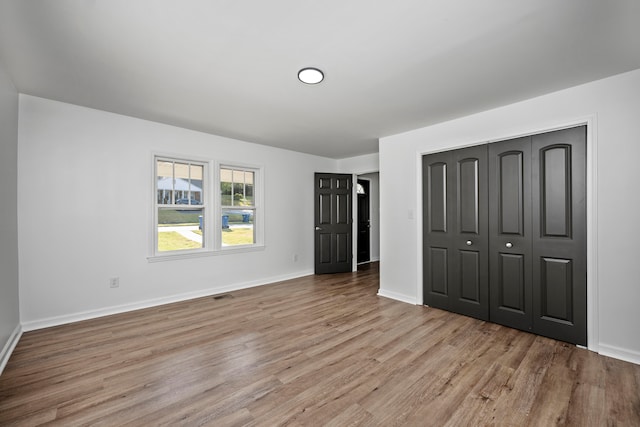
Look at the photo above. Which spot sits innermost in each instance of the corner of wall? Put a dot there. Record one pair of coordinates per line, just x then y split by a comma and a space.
8, 348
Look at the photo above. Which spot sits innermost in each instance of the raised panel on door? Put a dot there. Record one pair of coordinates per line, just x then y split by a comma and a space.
559, 234
470, 283
437, 197
325, 211
343, 208
438, 268
510, 285
468, 195
511, 293
555, 191
511, 189
556, 290
343, 247
325, 251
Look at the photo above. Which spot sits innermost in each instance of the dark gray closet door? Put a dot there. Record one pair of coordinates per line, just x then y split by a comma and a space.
559, 235
510, 233
455, 232
531, 235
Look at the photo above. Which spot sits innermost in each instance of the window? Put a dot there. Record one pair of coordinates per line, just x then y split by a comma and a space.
181, 207
190, 219
238, 206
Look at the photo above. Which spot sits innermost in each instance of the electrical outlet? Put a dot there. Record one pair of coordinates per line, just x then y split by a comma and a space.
114, 282
295, 257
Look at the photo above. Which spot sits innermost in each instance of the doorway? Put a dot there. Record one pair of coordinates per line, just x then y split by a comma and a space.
372, 179
364, 221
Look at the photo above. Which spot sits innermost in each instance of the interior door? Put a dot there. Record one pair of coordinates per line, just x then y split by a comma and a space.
559, 235
510, 233
333, 222
455, 248
364, 222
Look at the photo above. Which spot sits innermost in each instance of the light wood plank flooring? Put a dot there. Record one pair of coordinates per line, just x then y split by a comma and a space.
320, 350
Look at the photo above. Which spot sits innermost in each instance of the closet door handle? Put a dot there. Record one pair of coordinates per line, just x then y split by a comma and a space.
509, 245
469, 243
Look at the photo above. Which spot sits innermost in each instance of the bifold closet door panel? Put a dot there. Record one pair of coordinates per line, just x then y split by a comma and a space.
510, 231
470, 245
559, 235
456, 231
437, 230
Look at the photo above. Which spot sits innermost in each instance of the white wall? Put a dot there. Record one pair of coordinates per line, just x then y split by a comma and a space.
9, 306
613, 106
85, 214
360, 164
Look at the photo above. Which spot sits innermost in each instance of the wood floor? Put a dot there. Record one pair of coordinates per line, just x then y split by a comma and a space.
320, 350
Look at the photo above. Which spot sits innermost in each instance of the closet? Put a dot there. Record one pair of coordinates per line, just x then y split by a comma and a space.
504, 233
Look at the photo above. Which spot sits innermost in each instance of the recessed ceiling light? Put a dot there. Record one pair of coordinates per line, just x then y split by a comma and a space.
310, 76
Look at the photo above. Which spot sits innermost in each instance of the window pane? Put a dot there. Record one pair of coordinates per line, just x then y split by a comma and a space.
248, 188
197, 173
238, 194
238, 227
164, 182
180, 229
238, 177
182, 171
226, 187
181, 184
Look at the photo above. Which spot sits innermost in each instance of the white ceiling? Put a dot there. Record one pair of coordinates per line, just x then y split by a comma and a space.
229, 67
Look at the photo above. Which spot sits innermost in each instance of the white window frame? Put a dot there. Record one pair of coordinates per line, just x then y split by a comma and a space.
212, 209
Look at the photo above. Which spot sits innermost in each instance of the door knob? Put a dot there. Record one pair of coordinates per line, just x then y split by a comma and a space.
469, 243
509, 245
318, 228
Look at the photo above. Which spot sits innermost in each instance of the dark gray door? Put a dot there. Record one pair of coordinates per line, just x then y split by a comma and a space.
333, 222
364, 223
510, 232
559, 237
455, 231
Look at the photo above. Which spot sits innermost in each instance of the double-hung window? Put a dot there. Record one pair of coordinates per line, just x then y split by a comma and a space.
192, 220
181, 205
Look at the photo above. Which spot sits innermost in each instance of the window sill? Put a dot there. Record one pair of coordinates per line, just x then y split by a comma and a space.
202, 254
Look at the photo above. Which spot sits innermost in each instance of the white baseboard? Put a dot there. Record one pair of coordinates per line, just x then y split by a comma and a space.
9, 347
107, 311
619, 353
397, 296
